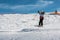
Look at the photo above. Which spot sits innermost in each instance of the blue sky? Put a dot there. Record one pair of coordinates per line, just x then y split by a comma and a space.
28, 6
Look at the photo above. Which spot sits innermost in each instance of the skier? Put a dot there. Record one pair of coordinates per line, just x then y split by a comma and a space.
55, 13
41, 18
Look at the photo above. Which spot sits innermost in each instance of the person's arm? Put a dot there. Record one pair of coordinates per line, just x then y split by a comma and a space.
38, 12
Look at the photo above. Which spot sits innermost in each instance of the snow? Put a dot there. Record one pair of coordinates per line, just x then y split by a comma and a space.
23, 27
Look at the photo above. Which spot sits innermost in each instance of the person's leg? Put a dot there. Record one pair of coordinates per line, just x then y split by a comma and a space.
39, 22
42, 23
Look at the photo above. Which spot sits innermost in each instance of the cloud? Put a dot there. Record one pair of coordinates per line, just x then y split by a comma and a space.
5, 6
29, 7
18, 2
23, 6
44, 3
39, 3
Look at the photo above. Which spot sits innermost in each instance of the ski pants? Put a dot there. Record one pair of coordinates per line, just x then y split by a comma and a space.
41, 22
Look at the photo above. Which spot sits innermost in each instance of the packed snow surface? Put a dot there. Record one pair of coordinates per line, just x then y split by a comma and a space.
24, 27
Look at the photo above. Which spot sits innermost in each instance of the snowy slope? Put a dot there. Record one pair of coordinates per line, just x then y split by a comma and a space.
22, 27
17, 22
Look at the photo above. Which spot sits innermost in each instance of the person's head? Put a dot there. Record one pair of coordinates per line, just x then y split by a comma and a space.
55, 11
38, 12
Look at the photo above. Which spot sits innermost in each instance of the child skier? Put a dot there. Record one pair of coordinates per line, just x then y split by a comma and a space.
41, 18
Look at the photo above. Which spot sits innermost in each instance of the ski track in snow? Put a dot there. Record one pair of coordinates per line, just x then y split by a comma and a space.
22, 27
